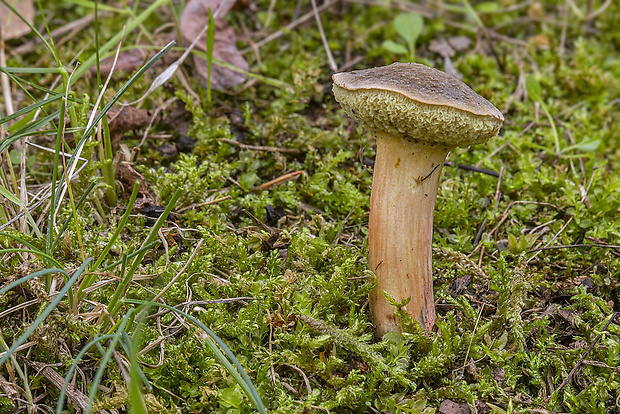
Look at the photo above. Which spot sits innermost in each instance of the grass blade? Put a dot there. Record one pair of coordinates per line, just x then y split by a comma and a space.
47, 311
225, 357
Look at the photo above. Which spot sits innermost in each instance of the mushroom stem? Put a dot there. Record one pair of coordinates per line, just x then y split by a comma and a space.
405, 181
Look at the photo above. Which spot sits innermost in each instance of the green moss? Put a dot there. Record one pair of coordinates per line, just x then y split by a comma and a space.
289, 295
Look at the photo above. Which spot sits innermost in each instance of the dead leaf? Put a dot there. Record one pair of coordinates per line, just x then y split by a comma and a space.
441, 47
447, 48
11, 26
459, 43
78, 398
126, 118
499, 375
127, 176
194, 18
450, 407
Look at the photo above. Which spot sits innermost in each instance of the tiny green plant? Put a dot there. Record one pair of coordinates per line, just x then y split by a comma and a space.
534, 91
210, 47
408, 26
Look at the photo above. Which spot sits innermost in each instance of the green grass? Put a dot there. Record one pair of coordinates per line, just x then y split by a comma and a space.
273, 315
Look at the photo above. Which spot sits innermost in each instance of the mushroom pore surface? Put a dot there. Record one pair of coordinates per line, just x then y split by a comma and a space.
416, 102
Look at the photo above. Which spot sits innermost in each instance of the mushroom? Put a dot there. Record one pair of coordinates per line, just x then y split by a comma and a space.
417, 114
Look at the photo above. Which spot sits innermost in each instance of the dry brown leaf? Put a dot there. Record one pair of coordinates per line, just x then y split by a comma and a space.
11, 25
451, 407
194, 18
126, 118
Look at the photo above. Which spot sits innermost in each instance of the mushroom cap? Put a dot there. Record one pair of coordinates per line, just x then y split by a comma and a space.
416, 102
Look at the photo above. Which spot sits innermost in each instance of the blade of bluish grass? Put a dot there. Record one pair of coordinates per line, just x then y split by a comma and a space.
125, 279
68, 219
20, 372
74, 365
32, 276
131, 255
122, 273
88, 280
60, 296
137, 405
120, 227
18, 239
129, 347
50, 222
28, 85
9, 69
135, 373
15, 200
107, 169
29, 108
35, 252
20, 83
114, 304
210, 44
577, 156
104, 362
213, 342
29, 129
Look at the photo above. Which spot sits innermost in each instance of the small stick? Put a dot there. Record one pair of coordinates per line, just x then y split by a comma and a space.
615, 252
570, 246
555, 236
74, 26
202, 302
371, 163
292, 25
260, 148
306, 380
339, 232
277, 181
499, 185
330, 58
465, 364
208, 203
471, 168
507, 211
179, 273
583, 357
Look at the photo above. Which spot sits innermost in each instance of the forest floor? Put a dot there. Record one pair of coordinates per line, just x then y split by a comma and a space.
196, 249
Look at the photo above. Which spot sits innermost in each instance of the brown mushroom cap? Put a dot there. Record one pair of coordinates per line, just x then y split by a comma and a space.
416, 102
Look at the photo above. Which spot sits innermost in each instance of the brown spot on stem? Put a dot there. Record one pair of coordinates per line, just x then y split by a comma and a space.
397, 163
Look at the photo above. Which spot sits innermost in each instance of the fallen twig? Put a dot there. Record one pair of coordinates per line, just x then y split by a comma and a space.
583, 357
570, 246
277, 181
259, 147
471, 168
207, 203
